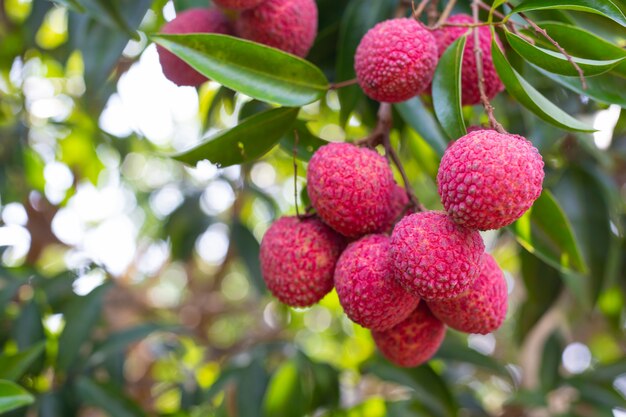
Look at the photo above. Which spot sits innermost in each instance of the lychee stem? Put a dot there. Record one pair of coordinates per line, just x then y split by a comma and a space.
444, 15
417, 11
478, 53
433, 12
341, 84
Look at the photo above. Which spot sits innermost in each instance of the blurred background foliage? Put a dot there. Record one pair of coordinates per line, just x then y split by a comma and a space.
130, 284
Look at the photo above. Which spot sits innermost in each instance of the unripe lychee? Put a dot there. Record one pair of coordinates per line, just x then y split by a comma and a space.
414, 340
367, 290
298, 258
350, 188
470, 93
480, 309
433, 256
238, 4
487, 180
190, 21
289, 25
396, 60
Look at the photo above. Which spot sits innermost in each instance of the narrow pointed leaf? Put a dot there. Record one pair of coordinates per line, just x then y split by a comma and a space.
12, 367
13, 396
532, 99
108, 398
447, 90
602, 7
256, 70
422, 121
247, 141
556, 62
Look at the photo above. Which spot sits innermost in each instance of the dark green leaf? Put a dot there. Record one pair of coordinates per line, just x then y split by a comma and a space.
13, 396
224, 98
530, 98
253, 107
181, 5
447, 90
247, 141
29, 326
556, 62
251, 387
12, 367
108, 398
454, 350
550, 362
81, 317
602, 7
107, 12
248, 249
72, 4
285, 396
422, 121
307, 144
256, 70
545, 231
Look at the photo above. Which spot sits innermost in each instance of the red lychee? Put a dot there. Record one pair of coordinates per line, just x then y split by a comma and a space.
396, 60
481, 308
414, 340
289, 25
298, 258
433, 256
487, 180
469, 77
398, 206
190, 21
350, 188
367, 290
238, 4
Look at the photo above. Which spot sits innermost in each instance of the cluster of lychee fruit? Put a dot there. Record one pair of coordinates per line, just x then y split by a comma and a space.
432, 269
289, 25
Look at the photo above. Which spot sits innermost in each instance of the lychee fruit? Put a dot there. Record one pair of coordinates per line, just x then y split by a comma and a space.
367, 290
289, 25
238, 4
487, 180
413, 341
481, 308
469, 76
190, 21
396, 60
434, 257
350, 188
398, 206
298, 258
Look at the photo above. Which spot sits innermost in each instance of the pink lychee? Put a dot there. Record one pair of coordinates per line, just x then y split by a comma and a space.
350, 188
190, 21
433, 256
238, 4
469, 77
481, 308
487, 180
298, 258
289, 25
413, 341
367, 290
396, 60
398, 206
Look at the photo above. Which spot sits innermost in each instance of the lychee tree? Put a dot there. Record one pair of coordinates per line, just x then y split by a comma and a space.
347, 208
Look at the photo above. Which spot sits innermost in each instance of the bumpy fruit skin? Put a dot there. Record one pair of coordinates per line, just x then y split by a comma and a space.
350, 188
434, 257
469, 77
298, 259
487, 180
238, 4
480, 309
397, 207
367, 290
190, 21
289, 25
413, 341
396, 60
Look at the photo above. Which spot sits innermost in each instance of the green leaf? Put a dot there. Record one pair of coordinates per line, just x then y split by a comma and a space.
602, 7
251, 387
13, 367
550, 362
81, 317
530, 98
72, 4
108, 398
545, 231
13, 396
248, 249
245, 142
422, 121
358, 18
285, 395
256, 70
29, 326
556, 62
447, 90
307, 144
453, 350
